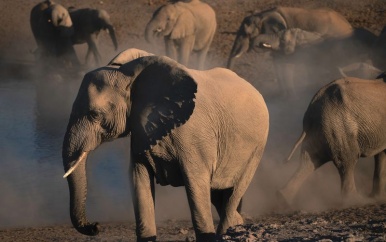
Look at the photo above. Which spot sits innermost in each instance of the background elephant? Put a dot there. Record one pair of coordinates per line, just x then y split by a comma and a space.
181, 135
52, 28
379, 50
325, 22
344, 121
87, 25
185, 27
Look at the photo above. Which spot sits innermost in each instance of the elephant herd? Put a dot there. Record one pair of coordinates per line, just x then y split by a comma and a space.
184, 135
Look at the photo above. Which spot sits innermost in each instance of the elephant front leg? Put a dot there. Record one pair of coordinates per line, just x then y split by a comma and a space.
379, 178
186, 47
171, 49
142, 185
198, 193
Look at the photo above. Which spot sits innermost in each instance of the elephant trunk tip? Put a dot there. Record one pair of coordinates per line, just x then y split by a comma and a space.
88, 229
75, 164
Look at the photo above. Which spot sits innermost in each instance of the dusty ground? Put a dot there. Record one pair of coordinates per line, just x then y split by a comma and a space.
359, 223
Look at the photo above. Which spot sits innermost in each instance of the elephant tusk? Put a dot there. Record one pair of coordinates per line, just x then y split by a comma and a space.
267, 45
83, 156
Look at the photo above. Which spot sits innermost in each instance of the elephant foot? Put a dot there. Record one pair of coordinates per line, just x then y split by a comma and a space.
88, 229
206, 237
147, 239
230, 221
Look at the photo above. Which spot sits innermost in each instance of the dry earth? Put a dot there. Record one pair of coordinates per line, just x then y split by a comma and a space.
357, 223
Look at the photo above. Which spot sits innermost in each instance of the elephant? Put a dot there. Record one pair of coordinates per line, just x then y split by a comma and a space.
326, 22
181, 135
52, 28
344, 121
87, 25
186, 27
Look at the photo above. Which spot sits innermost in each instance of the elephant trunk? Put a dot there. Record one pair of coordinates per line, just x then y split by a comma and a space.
151, 30
77, 183
240, 46
111, 30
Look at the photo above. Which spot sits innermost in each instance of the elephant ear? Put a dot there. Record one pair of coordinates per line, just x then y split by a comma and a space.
184, 25
162, 97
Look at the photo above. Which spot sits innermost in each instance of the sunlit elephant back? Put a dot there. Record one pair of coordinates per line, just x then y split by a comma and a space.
185, 27
52, 28
87, 25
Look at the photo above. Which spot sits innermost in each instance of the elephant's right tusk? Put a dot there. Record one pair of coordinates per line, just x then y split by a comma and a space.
83, 156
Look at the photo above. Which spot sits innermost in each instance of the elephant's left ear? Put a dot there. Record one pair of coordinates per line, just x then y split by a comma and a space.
184, 26
162, 98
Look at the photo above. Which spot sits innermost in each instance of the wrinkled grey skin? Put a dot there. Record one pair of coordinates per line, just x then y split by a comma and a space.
181, 135
186, 27
52, 28
344, 121
87, 25
326, 22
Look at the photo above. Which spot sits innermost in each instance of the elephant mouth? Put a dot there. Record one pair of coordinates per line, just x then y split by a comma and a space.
75, 164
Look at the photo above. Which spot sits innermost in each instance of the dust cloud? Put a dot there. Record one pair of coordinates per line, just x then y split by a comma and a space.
33, 190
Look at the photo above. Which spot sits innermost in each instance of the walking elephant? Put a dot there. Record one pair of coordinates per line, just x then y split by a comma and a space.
52, 28
87, 25
324, 22
181, 135
344, 121
186, 27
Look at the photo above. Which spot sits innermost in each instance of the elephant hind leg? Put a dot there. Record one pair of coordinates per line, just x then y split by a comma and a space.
346, 169
219, 199
379, 179
308, 164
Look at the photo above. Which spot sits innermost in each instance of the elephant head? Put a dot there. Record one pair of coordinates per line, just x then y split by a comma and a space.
119, 100
173, 20
286, 40
266, 22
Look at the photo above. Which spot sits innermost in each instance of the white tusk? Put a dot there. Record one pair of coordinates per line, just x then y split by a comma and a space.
83, 156
267, 45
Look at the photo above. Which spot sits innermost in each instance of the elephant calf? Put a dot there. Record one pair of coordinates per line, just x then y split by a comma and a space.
182, 134
344, 121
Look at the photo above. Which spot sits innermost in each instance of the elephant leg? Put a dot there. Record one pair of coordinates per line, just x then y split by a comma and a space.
346, 169
142, 185
198, 192
218, 198
229, 215
379, 178
308, 164
92, 46
186, 48
171, 49
201, 57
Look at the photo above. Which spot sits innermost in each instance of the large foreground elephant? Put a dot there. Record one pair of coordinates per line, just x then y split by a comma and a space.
182, 134
324, 22
87, 25
186, 27
344, 121
52, 28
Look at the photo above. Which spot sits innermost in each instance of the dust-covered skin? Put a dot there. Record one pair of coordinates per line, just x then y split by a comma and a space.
130, 19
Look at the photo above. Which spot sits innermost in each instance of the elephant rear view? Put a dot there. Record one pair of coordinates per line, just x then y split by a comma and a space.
186, 27
182, 134
344, 121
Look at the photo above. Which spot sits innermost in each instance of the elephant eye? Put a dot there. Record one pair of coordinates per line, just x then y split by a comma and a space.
94, 115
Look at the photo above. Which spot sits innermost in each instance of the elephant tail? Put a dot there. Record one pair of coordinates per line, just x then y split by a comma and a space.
300, 140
